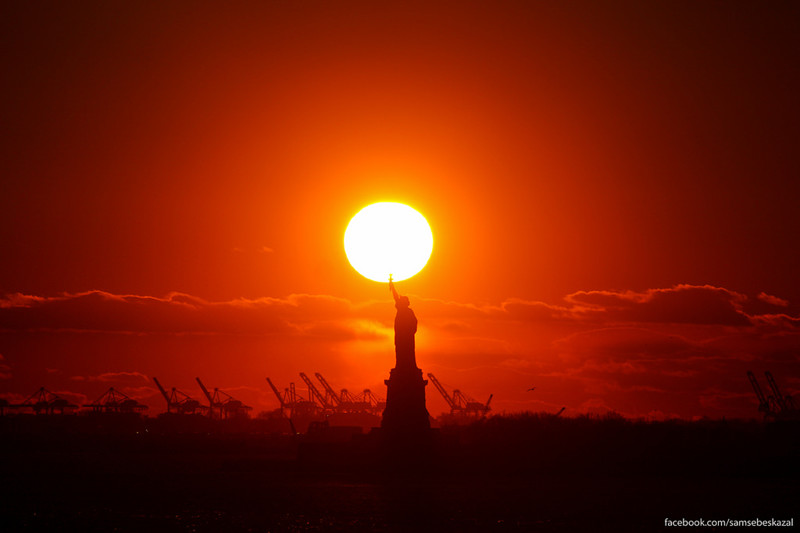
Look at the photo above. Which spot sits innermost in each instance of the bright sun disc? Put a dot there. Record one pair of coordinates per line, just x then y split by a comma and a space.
388, 238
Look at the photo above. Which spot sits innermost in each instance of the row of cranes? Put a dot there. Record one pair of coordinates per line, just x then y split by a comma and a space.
293, 404
774, 406
44, 402
221, 405
114, 401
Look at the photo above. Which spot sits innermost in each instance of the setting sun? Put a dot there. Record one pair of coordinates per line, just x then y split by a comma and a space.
388, 238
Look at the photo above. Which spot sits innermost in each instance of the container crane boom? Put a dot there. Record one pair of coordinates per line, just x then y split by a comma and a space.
205, 391
442, 391
210, 398
163, 393
460, 400
277, 394
328, 389
762, 399
313, 390
776, 391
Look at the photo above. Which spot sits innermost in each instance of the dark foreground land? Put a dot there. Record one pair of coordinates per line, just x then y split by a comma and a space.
510, 473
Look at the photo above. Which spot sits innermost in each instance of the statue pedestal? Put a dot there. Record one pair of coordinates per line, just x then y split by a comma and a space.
405, 416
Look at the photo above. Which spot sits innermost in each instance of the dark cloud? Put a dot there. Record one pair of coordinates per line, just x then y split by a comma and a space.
779, 321
76, 398
640, 368
683, 304
629, 360
115, 377
142, 392
773, 300
321, 315
178, 313
538, 311
623, 343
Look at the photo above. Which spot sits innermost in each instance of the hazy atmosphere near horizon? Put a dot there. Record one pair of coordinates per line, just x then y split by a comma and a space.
612, 190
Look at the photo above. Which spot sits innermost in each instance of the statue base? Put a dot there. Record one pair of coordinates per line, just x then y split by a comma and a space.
405, 415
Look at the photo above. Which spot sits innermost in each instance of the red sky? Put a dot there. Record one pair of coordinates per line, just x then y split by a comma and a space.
612, 190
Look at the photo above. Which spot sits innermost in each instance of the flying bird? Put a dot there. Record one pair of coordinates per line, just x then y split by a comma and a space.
532, 388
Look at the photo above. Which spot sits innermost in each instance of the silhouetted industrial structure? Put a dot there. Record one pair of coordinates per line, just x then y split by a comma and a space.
341, 408
377, 403
222, 405
461, 404
774, 406
331, 397
45, 402
292, 404
300, 412
317, 396
114, 401
345, 402
179, 402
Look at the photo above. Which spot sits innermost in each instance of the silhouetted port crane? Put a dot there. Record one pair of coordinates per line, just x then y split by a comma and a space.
331, 398
460, 403
300, 411
775, 406
222, 405
285, 404
354, 403
293, 402
114, 401
283, 401
45, 402
444, 393
763, 403
783, 403
180, 402
376, 403
315, 394
345, 402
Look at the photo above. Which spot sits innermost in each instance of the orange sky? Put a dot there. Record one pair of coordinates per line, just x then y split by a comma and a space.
612, 191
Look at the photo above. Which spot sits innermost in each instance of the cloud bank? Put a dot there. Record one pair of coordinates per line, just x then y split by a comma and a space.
682, 350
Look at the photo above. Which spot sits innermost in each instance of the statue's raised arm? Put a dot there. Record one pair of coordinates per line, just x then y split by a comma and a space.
393, 290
